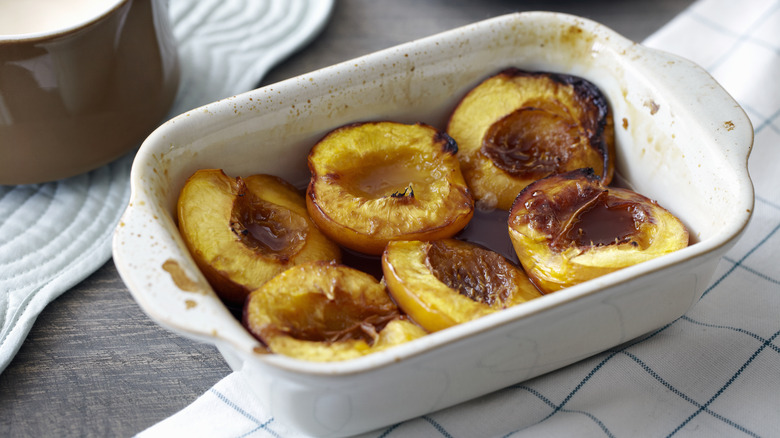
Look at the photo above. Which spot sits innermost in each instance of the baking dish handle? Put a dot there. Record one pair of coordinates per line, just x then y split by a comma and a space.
724, 120
162, 281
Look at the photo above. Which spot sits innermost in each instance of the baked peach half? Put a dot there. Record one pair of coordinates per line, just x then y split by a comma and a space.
243, 231
324, 311
569, 228
517, 127
375, 182
446, 282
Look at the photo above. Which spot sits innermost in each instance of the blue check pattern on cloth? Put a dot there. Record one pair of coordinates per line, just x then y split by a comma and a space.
713, 372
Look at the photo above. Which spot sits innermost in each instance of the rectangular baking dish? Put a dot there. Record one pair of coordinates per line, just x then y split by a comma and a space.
681, 140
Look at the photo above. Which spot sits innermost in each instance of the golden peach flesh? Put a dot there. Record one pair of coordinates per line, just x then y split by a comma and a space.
569, 228
376, 182
516, 127
447, 282
268, 230
243, 231
322, 311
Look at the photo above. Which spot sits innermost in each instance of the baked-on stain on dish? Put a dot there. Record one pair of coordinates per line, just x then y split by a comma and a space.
179, 277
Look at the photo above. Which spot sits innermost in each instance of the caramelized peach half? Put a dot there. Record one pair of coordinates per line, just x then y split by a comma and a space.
376, 182
569, 228
243, 231
517, 127
446, 282
322, 311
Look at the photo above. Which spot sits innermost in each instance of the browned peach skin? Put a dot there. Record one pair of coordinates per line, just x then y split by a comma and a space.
380, 181
517, 127
323, 311
447, 282
569, 228
243, 231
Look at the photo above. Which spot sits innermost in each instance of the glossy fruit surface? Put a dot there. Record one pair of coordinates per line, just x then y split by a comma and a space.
376, 182
446, 282
322, 311
569, 228
243, 231
517, 127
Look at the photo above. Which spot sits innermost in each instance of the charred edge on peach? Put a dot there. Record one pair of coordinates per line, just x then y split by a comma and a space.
585, 91
448, 144
587, 172
592, 191
407, 193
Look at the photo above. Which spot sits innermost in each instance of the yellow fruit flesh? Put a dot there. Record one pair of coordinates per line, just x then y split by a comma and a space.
324, 311
376, 182
517, 127
242, 232
443, 283
569, 229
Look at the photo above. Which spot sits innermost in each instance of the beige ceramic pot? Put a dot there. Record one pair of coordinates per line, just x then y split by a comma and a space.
82, 85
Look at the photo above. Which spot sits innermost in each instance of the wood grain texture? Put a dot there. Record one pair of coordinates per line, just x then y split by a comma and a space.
95, 365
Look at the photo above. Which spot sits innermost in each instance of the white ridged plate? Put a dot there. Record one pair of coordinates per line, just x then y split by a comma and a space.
54, 235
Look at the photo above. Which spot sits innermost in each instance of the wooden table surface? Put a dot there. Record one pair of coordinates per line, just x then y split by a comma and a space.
95, 365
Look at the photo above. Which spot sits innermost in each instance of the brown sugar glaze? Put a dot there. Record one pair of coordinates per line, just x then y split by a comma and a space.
258, 226
602, 223
483, 276
335, 319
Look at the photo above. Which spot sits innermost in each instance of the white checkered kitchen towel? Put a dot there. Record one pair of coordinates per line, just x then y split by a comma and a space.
713, 372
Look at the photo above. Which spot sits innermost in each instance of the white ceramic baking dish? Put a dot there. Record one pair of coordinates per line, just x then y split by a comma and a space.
682, 140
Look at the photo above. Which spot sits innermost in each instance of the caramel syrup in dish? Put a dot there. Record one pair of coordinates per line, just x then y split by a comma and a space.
369, 264
487, 228
490, 229
603, 223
